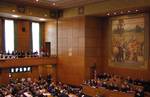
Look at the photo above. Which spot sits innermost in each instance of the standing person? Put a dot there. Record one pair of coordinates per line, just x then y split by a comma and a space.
49, 78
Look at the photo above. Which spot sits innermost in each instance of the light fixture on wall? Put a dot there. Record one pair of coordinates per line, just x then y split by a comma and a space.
115, 13
13, 10
129, 11
42, 19
15, 16
45, 15
108, 14
121, 12
54, 3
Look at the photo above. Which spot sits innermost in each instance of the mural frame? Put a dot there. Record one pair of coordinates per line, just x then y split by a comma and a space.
143, 65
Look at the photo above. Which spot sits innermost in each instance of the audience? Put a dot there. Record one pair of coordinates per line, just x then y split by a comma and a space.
38, 88
21, 54
118, 83
43, 87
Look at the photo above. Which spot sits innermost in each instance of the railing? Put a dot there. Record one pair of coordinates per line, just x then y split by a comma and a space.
27, 61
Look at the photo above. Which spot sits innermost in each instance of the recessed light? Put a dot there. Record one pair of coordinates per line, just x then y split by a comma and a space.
45, 15
42, 19
129, 11
13, 10
121, 12
15, 16
108, 14
54, 3
30, 13
115, 13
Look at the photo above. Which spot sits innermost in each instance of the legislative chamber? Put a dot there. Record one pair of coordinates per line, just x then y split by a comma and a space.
74, 48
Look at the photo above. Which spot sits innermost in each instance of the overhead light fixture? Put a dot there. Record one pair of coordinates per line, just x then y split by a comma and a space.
108, 14
13, 10
15, 16
136, 10
37, 0
115, 13
129, 11
42, 19
54, 3
30, 13
45, 15
121, 12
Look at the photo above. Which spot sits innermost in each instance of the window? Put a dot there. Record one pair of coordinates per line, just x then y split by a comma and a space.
35, 37
9, 35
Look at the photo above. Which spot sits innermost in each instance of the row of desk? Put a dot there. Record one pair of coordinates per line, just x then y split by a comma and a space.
91, 91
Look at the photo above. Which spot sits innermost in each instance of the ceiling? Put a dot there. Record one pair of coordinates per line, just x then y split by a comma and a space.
59, 4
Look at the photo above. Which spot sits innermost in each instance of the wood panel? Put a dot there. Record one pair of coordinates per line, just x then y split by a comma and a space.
71, 50
51, 35
1, 33
34, 74
23, 37
44, 70
4, 76
40, 66
92, 45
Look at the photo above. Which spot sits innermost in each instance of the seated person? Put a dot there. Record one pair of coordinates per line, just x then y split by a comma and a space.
139, 93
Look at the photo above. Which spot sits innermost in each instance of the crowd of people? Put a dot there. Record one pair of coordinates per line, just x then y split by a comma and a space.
39, 88
22, 54
118, 83
43, 87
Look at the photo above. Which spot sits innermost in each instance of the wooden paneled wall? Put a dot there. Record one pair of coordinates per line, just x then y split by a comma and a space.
51, 35
1, 35
34, 74
92, 45
40, 66
78, 48
23, 38
84, 42
71, 44
4, 76
42, 70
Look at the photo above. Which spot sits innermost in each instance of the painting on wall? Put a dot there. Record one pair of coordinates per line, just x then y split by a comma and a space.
128, 41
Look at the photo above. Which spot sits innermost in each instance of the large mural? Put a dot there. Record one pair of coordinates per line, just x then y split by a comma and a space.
128, 44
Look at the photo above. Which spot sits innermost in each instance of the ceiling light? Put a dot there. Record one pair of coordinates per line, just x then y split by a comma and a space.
13, 10
30, 13
129, 11
115, 13
108, 14
45, 15
15, 16
54, 4
37, 0
121, 12
42, 19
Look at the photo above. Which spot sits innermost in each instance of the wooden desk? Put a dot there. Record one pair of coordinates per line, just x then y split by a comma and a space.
105, 92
